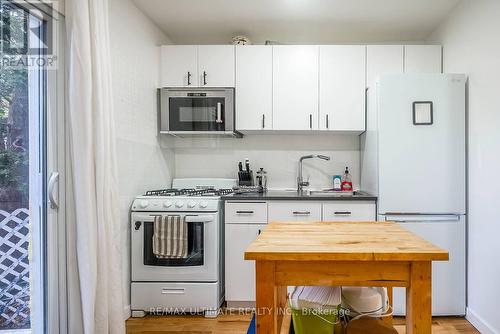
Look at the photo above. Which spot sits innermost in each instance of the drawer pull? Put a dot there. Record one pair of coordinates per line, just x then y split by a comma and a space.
301, 212
172, 291
245, 212
344, 213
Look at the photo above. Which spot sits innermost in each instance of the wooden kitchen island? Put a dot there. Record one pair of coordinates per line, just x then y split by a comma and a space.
342, 254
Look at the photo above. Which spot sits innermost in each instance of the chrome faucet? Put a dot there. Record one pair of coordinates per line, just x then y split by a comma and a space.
300, 181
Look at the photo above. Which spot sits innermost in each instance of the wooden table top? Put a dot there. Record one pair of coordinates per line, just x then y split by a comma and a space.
341, 241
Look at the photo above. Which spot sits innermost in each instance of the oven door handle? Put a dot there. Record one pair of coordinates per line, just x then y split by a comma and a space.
189, 219
199, 219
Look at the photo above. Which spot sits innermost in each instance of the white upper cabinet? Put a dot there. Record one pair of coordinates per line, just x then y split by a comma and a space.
179, 66
216, 65
295, 87
254, 87
342, 74
423, 59
197, 66
383, 59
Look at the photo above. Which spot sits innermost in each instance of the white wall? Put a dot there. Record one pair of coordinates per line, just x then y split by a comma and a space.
142, 163
470, 37
277, 154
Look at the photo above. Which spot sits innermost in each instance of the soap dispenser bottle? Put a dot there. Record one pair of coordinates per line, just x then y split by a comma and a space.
346, 180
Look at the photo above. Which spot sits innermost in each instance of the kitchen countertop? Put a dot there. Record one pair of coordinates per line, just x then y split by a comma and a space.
345, 241
293, 195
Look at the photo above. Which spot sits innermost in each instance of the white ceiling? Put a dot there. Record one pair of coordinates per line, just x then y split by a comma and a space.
297, 21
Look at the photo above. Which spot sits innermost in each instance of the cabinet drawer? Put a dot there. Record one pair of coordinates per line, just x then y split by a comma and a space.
246, 212
194, 297
294, 211
349, 211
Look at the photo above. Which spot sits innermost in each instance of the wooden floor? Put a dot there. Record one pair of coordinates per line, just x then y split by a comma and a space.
238, 324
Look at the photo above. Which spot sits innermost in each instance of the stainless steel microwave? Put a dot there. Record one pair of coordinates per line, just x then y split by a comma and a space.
197, 111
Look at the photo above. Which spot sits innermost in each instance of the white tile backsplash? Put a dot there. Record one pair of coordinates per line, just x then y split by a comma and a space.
142, 162
277, 154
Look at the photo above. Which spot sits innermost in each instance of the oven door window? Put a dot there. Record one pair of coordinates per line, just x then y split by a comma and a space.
195, 247
196, 113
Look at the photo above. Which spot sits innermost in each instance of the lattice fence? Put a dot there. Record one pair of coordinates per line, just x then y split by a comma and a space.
14, 269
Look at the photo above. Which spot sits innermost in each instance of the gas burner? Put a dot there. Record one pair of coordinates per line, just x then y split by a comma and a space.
225, 191
165, 192
189, 192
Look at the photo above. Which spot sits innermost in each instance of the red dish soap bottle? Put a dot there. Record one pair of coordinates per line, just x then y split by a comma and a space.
346, 181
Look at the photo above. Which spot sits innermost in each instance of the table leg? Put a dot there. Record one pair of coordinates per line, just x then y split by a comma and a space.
266, 298
418, 299
281, 300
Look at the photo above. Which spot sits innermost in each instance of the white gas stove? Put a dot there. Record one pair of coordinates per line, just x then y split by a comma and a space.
187, 195
186, 285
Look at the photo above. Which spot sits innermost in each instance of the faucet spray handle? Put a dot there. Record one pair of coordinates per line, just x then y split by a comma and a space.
324, 157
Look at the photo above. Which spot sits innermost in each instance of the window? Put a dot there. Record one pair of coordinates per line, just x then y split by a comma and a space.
26, 153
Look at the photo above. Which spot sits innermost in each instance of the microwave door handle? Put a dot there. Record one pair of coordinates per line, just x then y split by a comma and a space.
219, 113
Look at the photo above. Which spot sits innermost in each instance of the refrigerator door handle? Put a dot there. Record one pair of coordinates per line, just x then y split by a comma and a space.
420, 218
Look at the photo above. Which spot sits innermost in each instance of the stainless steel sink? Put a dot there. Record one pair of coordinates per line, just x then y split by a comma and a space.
332, 193
320, 193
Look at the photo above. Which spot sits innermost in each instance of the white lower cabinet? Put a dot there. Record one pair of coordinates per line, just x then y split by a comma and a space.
240, 274
294, 211
347, 211
245, 220
246, 212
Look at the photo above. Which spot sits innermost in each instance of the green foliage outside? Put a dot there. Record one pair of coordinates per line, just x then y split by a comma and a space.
14, 116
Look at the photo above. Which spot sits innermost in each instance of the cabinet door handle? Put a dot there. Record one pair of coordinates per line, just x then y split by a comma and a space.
301, 212
310, 121
327, 123
259, 232
263, 121
204, 78
189, 78
345, 213
245, 212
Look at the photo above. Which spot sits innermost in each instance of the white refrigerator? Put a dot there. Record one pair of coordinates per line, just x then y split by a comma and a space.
414, 160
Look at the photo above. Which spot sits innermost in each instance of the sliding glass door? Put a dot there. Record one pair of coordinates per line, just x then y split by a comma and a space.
32, 242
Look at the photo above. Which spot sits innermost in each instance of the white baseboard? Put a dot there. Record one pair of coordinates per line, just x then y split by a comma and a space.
478, 322
126, 312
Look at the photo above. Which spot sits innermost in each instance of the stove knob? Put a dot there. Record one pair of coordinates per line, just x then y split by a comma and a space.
179, 204
167, 204
203, 204
191, 204
143, 204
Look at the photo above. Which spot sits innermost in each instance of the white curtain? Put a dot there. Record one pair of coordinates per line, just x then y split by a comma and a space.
94, 277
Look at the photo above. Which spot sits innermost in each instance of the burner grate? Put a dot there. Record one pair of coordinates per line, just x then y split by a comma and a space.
188, 192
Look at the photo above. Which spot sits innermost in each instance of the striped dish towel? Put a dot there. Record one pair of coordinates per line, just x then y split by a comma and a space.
170, 237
